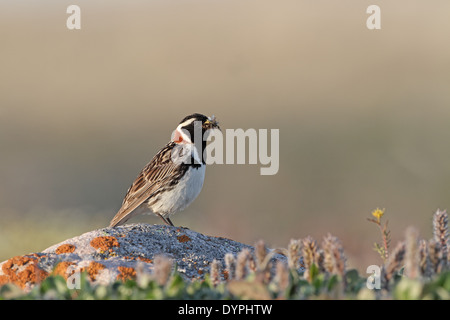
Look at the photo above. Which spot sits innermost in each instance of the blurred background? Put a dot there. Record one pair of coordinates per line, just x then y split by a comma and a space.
363, 115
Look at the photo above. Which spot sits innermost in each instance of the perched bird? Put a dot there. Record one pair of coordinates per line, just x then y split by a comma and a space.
175, 175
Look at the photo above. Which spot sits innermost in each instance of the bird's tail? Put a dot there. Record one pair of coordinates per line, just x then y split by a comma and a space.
120, 218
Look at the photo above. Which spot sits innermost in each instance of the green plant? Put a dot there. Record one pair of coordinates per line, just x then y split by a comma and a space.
382, 249
415, 269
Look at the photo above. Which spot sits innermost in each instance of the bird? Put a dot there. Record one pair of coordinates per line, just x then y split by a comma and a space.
173, 179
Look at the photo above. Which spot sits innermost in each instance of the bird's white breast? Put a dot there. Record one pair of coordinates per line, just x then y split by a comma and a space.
187, 189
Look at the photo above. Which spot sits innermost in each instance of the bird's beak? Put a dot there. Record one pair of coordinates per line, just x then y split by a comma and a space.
212, 123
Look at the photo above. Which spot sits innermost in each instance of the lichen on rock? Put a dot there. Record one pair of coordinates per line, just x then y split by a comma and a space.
109, 254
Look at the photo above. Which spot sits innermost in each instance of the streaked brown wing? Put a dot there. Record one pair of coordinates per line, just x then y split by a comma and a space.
155, 173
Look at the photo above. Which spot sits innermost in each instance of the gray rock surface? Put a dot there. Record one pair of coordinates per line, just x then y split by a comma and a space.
109, 254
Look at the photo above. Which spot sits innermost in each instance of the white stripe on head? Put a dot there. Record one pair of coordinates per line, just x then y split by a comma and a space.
186, 123
184, 134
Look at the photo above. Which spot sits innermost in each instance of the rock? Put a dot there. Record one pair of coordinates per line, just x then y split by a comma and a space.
109, 254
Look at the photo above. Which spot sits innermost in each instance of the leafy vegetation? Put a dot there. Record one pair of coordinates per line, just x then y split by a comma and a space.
415, 269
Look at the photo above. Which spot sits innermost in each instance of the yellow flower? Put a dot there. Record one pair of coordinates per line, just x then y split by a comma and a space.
378, 213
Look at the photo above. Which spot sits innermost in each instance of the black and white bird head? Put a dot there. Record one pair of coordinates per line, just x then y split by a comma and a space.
193, 125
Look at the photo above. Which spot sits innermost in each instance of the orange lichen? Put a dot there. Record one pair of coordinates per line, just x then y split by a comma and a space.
65, 248
61, 269
21, 270
225, 274
4, 280
183, 238
126, 273
104, 243
93, 269
145, 259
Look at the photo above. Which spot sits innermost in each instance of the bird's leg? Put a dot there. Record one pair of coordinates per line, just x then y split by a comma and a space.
166, 221
170, 222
